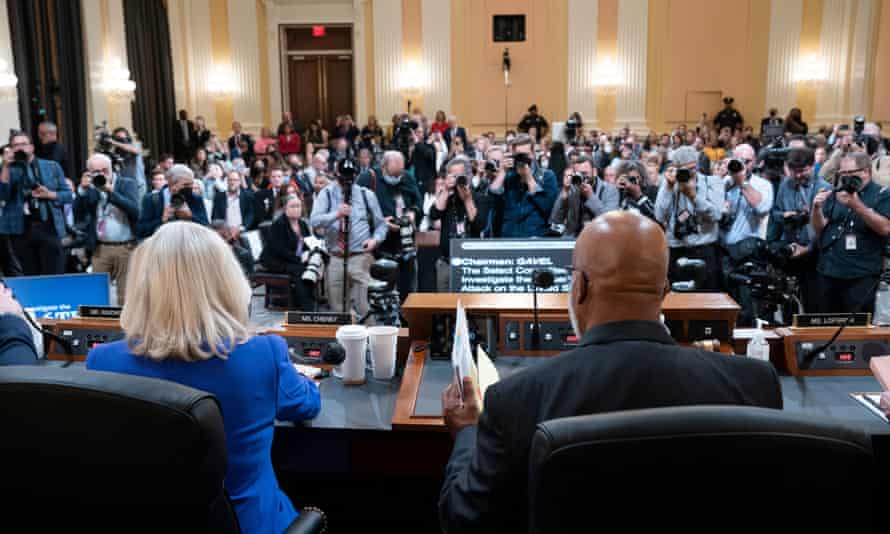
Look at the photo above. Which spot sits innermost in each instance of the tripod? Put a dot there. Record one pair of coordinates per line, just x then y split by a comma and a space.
344, 235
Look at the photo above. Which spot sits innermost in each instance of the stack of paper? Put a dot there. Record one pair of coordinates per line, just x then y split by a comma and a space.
462, 357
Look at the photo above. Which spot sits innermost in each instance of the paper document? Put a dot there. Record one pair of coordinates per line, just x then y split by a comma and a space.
872, 401
488, 374
461, 357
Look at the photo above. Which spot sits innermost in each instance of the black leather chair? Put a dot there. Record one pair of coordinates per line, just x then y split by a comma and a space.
700, 469
93, 451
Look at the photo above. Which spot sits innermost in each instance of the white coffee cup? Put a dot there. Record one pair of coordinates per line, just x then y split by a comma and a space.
383, 350
354, 339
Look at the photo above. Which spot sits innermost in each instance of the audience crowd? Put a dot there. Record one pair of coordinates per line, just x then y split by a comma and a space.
798, 202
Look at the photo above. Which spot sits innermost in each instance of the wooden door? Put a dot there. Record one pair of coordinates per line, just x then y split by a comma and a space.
305, 85
338, 89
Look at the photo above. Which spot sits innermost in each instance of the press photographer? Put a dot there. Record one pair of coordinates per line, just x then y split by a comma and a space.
583, 198
851, 224
112, 202
689, 205
635, 191
125, 154
350, 219
789, 231
456, 207
33, 192
175, 202
400, 202
749, 199
527, 192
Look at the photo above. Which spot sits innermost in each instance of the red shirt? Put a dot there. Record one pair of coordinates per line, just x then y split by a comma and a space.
289, 144
439, 127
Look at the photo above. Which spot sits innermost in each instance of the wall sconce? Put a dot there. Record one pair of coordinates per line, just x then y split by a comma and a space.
220, 84
411, 82
8, 82
811, 72
116, 82
607, 78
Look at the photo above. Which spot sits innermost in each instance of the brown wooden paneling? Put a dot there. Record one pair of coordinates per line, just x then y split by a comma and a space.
338, 88
304, 82
336, 38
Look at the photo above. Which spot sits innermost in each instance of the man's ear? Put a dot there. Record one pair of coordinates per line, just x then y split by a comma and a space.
580, 289
667, 289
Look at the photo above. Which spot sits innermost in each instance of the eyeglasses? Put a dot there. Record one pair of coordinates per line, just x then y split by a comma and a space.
853, 172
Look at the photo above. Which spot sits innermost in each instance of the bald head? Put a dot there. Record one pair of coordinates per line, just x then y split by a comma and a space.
621, 259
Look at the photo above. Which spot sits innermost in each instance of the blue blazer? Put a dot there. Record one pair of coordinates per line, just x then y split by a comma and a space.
150, 218
12, 196
255, 385
247, 202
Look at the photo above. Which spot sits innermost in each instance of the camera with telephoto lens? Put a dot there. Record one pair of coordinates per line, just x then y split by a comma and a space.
858, 125
683, 176
578, 179
315, 256
492, 166
735, 166
103, 139
177, 201
407, 244
402, 137
849, 184
98, 180
686, 228
20, 156
461, 181
798, 218
521, 159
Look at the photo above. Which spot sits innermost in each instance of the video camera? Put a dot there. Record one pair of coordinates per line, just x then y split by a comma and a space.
773, 289
402, 137
103, 139
383, 295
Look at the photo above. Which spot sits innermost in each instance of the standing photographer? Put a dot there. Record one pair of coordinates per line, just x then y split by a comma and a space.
33, 192
348, 215
635, 192
749, 199
851, 224
400, 203
527, 192
789, 229
175, 202
689, 205
112, 202
129, 153
456, 207
583, 198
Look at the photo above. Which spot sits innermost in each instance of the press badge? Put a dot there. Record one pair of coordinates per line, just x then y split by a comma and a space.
851, 241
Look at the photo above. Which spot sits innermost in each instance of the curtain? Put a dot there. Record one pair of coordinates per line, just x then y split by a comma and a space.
48, 51
151, 64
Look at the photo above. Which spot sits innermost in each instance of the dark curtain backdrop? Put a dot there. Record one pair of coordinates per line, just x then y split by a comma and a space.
48, 52
151, 64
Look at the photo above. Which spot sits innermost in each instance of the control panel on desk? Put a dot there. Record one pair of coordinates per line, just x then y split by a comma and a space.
303, 348
82, 340
843, 353
556, 335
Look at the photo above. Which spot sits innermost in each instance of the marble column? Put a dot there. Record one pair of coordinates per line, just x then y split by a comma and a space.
834, 45
861, 60
9, 109
192, 58
387, 58
245, 46
633, 28
583, 59
436, 59
120, 112
786, 18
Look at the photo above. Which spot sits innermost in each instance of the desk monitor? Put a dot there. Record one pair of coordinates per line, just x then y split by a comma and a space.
58, 296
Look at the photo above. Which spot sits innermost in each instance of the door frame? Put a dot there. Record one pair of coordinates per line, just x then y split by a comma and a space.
284, 63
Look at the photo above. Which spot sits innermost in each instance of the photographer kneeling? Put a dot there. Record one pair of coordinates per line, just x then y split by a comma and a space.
175, 202
583, 198
749, 199
455, 206
851, 224
400, 203
789, 229
689, 206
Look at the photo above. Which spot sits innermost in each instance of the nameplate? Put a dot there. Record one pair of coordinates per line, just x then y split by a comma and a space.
329, 318
814, 320
99, 312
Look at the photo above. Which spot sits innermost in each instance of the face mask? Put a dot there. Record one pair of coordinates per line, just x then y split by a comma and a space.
608, 147
286, 180
392, 180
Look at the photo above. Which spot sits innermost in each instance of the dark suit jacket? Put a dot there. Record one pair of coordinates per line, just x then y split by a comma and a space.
280, 246
246, 138
150, 218
183, 146
266, 203
199, 139
125, 196
461, 132
246, 201
617, 366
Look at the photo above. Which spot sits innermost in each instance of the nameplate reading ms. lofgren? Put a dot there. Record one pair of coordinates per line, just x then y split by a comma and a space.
813, 320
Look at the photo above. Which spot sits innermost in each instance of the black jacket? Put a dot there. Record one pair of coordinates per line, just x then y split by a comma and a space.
266, 202
152, 213
386, 195
423, 161
461, 132
280, 247
617, 366
247, 203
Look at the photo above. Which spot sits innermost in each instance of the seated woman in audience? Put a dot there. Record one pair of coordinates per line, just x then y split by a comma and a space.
188, 324
372, 133
794, 123
198, 165
440, 124
266, 142
289, 141
316, 135
284, 248
216, 149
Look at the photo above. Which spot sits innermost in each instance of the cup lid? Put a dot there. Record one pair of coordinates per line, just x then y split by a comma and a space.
352, 331
382, 330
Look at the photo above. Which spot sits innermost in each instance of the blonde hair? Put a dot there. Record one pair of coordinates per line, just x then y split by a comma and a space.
187, 297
